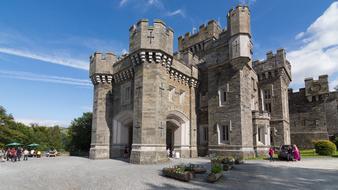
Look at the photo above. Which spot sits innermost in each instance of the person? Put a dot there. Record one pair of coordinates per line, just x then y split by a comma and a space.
32, 152
126, 151
38, 154
290, 152
19, 153
13, 154
8, 154
296, 153
25, 154
2, 155
271, 153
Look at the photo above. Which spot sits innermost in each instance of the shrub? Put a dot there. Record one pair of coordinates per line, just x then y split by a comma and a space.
216, 168
336, 141
325, 147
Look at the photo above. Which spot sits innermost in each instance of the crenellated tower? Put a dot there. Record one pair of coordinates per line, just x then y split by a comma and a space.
240, 44
144, 36
101, 75
274, 76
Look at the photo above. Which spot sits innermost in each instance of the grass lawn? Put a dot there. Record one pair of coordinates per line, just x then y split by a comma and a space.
308, 153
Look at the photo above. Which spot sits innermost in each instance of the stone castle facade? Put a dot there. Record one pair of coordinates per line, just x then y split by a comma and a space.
209, 97
313, 112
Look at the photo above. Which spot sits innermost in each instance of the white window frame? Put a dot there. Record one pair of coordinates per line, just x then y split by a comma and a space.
224, 133
221, 92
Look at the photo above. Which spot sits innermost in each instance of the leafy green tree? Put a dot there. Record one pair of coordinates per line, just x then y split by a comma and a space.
80, 134
46, 137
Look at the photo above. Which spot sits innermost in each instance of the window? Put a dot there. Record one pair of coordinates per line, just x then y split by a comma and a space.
261, 134
224, 134
223, 95
125, 93
205, 134
268, 107
267, 94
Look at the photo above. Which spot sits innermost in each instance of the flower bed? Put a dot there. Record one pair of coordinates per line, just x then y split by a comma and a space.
178, 173
216, 173
196, 169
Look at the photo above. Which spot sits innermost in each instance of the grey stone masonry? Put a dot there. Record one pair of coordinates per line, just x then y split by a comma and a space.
101, 70
274, 76
313, 112
208, 98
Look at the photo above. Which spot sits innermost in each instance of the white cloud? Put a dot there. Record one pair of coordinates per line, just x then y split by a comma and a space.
55, 59
177, 12
124, 51
319, 51
42, 122
122, 3
299, 35
44, 78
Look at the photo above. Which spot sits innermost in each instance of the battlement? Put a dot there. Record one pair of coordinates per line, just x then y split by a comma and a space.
102, 63
239, 20
317, 87
273, 62
210, 31
187, 57
142, 35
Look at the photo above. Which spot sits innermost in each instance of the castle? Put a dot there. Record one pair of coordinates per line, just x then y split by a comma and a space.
209, 97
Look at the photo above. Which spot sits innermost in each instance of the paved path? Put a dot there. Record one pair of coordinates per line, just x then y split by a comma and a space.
79, 173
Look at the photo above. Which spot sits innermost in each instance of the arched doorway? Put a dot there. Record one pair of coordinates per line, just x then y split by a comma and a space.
122, 135
178, 134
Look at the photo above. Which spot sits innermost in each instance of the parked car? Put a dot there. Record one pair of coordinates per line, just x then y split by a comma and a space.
285, 153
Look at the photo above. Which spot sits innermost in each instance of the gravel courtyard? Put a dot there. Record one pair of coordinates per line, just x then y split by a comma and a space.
80, 173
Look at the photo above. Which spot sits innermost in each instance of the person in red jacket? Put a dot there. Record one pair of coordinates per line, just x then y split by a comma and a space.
271, 153
13, 154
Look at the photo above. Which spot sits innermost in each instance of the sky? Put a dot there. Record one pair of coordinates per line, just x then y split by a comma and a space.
45, 45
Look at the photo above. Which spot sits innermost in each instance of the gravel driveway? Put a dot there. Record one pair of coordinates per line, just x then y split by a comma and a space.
81, 173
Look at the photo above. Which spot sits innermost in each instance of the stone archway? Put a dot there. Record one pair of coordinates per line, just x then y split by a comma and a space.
122, 134
178, 130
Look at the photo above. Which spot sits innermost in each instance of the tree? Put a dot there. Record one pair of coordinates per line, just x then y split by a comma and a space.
12, 131
80, 134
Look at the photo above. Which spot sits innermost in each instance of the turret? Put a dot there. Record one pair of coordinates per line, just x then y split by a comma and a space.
101, 67
100, 72
144, 36
239, 30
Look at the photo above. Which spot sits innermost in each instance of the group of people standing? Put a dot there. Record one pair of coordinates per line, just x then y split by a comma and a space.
13, 154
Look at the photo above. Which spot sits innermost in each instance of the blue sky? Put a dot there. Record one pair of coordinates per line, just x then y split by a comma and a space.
45, 45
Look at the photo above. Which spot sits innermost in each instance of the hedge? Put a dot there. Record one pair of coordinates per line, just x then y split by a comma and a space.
325, 147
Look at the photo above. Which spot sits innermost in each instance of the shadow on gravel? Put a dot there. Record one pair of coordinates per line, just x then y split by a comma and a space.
259, 176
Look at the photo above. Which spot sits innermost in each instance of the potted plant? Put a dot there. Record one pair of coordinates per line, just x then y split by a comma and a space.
178, 172
196, 169
239, 161
216, 173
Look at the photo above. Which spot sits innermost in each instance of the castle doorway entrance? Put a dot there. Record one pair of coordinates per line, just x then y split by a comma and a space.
177, 134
